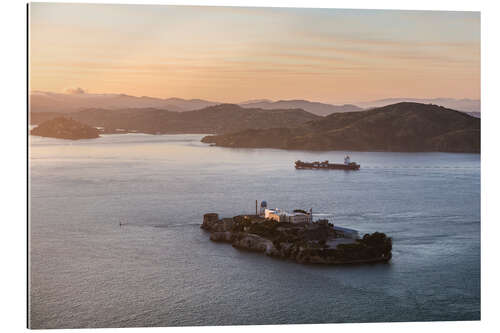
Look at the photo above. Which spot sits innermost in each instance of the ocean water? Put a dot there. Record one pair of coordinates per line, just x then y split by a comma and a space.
160, 269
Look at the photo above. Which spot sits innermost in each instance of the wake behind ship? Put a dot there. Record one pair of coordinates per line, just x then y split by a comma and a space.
348, 165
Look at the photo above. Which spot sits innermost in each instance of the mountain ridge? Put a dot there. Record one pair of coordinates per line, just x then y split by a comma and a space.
320, 109
41, 101
409, 127
221, 118
463, 105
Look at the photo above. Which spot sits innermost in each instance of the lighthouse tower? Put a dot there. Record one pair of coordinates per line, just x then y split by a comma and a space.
263, 207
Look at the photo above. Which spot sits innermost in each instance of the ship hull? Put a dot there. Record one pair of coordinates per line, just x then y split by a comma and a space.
328, 167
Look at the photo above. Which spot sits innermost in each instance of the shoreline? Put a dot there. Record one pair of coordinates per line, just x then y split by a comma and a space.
104, 134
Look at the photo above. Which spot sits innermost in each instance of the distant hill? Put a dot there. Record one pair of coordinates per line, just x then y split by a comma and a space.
65, 128
223, 118
39, 117
406, 127
55, 102
320, 109
255, 101
41, 101
465, 105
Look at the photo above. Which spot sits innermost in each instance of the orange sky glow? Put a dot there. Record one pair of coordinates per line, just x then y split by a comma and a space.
232, 54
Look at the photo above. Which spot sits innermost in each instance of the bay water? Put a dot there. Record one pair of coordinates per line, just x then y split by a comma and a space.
115, 238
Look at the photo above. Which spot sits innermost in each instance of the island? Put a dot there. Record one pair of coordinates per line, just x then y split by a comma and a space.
298, 239
65, 128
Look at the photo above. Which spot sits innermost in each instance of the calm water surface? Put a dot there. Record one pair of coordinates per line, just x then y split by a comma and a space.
161, 269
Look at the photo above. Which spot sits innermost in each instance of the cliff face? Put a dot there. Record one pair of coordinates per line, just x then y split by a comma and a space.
65, 128
304, 243
408, 127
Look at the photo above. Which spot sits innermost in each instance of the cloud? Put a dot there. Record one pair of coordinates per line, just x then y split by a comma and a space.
74, 91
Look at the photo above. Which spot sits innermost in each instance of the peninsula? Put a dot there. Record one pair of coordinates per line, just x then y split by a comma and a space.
401, 127
296, 237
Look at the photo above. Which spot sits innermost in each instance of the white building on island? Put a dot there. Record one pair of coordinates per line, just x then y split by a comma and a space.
302, 216
279, 215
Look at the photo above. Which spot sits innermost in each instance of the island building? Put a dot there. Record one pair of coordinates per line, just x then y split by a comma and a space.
280, 215
298, 216
301, 216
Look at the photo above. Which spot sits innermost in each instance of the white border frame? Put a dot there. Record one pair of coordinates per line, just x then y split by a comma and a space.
13, 243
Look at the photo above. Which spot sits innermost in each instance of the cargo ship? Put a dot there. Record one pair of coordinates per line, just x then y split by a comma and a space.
348, 165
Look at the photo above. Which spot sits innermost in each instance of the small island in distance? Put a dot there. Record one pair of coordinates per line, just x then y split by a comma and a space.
65, 128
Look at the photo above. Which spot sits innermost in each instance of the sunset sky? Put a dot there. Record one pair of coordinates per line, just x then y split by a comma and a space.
232, 54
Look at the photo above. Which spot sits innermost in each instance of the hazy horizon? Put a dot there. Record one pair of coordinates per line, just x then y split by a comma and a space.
78, 91
235, 54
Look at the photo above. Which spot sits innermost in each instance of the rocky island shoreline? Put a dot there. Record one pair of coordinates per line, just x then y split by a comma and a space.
65, 128
309, 243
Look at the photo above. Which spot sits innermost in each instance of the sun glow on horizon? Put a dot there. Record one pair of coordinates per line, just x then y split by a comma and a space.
233, 54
